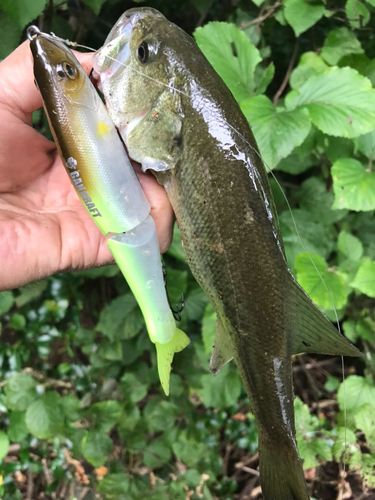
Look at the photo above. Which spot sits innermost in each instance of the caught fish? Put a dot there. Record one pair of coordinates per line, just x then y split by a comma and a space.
105, 182
179, 120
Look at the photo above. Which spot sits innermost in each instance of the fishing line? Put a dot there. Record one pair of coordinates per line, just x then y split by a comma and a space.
268, 169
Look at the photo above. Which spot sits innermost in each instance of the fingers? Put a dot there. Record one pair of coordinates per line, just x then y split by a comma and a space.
161, 209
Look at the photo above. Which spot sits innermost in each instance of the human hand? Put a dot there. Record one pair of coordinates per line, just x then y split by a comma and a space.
44, 227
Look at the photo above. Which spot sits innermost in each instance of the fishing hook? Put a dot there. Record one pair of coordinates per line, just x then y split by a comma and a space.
176, 312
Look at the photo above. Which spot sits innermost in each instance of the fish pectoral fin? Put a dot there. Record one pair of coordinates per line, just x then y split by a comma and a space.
311, 330
165, 353
222, 350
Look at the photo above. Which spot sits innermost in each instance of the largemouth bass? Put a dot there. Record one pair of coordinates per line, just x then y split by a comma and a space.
179, 119
104, 179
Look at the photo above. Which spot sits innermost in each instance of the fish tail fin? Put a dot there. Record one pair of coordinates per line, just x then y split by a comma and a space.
281, 471
165, 353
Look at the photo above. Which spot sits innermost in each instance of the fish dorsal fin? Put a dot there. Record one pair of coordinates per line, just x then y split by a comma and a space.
311, 330
222, 351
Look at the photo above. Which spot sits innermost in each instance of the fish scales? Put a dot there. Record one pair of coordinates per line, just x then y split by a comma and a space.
179, 119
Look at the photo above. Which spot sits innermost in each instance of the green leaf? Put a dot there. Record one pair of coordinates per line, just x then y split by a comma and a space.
132, 388
10, 34
121, 319
355, 392
45, 417
350, 246
4, 445
277, 132
353, 186
343, 443
23, 12
340, 102
339, 43
157, 453
223, 390
188, 451
20, 392
161, 415
301, 14
195, 302
309, 65
176, 249
105, 415
315, 199
6, 301
365, 420
17, 321
231, 54
362, 64
209, 328
366, 144
30, 292
357, 13
96, 446
364, 280
17, 429
176, 285
95, 5
263, 77
317, 238
115, 486
317, 287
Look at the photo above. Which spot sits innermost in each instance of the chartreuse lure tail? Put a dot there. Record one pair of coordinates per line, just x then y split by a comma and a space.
105, 182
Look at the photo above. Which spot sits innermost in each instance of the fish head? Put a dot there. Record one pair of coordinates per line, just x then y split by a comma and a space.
137, 64
57, 72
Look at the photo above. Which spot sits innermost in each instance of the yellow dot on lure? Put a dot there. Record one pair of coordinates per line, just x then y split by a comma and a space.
103, 129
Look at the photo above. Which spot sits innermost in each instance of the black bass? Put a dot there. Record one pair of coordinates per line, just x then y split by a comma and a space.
105, 182
179, 119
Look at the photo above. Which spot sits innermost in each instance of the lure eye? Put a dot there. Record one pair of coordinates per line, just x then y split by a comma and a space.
143, 52
69, 70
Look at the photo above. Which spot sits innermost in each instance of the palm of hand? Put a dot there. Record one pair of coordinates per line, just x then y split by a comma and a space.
44, 228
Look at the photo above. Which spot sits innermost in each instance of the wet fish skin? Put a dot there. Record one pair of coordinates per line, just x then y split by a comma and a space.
179, 119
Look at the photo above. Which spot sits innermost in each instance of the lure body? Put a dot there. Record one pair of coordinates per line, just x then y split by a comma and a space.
179, 119
107, 185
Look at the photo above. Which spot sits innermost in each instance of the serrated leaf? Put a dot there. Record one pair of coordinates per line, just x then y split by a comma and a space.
231, 54
104, 415
353, 186
339, 43
195, 302
30, 292
132, 388
6, 301
364, 280
366, 144
314, 198
328, 289
317, 238
96, 446
357, 13
45, 417
176, 285
355, 392
20, 392
4, 444
17, 429
187, 451
95, 5
309, 65
222, 390
263, 77
343, 443
277, 132
301, 14
365, 420
121, 319
115, 486
350, 246
157, 453
362, 64
161, 415
340, 102
23, 12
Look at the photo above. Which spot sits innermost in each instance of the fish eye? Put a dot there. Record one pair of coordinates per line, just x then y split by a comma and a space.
69, 70
143, 52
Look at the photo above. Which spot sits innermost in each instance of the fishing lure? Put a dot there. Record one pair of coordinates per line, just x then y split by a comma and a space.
105, 182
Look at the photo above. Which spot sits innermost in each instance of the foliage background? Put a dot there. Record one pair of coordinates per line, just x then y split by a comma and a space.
82, 414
